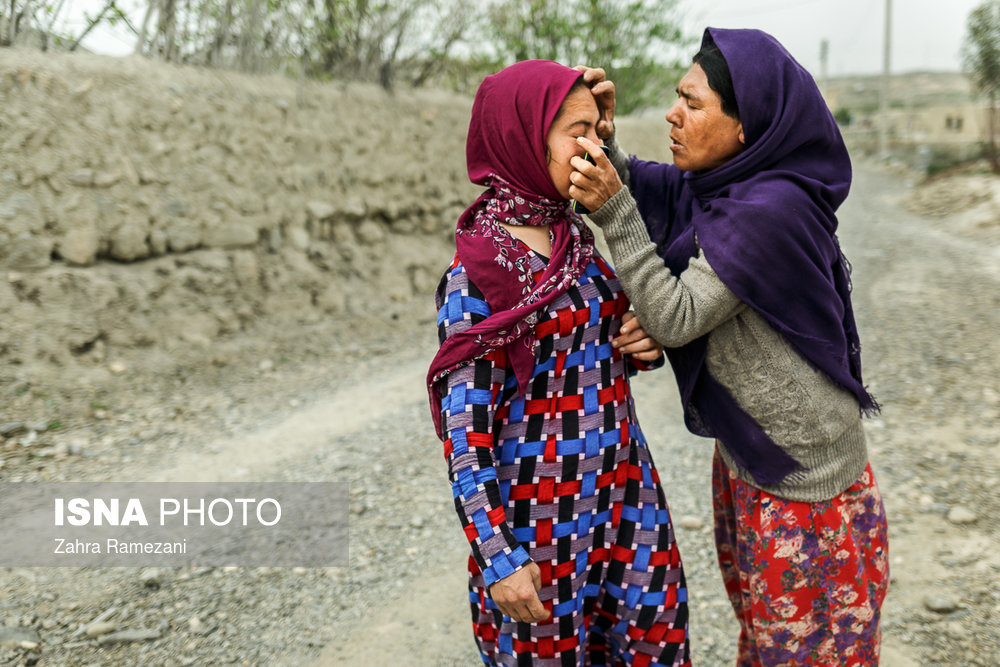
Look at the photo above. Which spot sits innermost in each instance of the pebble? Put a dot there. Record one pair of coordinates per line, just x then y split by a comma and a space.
956, 629
689, 522
98, 629
16, 637
265, 365
151, 578
961, 515
10, 429
320, 210
130, 636
940, 604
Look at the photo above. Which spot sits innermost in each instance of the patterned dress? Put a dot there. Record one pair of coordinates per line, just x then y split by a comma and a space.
806, 580
562, 476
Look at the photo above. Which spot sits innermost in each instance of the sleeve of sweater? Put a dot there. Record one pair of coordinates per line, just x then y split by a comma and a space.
467, 409
674, 310
619, 159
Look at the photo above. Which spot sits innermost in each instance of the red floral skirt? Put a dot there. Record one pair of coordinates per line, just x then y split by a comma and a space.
806, 580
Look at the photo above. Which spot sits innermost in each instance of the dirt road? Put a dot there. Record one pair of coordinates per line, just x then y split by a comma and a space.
927, 307
346, 403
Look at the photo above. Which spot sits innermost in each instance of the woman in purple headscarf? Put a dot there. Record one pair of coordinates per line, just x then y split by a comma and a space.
573, 553
731, 260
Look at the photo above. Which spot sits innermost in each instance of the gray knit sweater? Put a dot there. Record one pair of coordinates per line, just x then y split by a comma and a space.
807, 415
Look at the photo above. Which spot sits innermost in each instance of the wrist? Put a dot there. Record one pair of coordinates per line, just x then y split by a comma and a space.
617, 206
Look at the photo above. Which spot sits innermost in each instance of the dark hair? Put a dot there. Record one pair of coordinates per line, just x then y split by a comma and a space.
711, 60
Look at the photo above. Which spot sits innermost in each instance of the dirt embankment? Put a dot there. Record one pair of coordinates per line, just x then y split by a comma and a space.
157, 208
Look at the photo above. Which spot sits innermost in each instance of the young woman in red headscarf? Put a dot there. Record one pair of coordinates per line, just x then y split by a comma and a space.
573, 553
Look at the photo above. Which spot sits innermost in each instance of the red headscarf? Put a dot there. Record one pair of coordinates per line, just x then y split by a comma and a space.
506, 151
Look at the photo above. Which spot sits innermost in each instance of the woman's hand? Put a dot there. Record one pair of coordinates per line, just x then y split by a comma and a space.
593, 184
632, 339
517, 595
604, 95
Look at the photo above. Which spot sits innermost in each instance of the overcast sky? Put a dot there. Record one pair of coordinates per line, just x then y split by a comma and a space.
926, 34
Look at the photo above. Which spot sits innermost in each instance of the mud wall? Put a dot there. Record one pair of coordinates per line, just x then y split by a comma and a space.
144, 204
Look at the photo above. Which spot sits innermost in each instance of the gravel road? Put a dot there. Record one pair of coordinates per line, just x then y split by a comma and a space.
346, 403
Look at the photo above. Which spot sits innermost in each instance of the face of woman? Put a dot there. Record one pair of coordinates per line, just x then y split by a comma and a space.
702, 137
577, 117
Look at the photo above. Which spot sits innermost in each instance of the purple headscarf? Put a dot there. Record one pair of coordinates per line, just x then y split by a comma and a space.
766, 222
506, 151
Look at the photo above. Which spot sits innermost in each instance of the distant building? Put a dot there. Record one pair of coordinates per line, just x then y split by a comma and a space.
928, 111
939, 124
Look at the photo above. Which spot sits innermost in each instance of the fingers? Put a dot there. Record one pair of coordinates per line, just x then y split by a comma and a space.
633, 339
584, 170
593, 184
525, 611
604, 92
645, 344
536, 611
597, 80
533, 611
600, 159
603, 88
582, 180
645, 348
591, 74
517, 595
630, 333
630, 343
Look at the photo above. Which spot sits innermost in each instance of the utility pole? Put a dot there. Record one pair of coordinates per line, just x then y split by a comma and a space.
824, 52
883, 125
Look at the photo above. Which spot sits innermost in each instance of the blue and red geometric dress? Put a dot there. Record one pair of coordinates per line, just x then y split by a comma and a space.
561, 475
